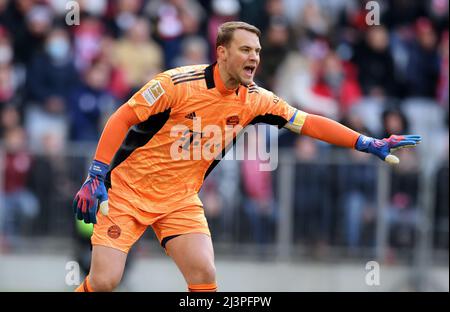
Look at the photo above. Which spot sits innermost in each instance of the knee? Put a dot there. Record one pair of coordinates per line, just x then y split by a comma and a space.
104, 283
203, 274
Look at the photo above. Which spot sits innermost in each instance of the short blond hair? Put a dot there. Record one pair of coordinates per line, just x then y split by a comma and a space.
226, 30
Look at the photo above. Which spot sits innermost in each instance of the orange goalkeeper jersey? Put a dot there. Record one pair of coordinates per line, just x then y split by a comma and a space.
187, 116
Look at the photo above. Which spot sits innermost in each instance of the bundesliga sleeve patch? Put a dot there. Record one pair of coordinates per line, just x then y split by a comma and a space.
153, 93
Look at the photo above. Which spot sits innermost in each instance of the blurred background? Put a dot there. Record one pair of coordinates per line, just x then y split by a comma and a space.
310, 225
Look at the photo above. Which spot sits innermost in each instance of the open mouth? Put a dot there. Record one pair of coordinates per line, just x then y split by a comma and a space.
249, 69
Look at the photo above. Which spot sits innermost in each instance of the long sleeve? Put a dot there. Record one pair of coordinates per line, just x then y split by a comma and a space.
114, 133
330, 131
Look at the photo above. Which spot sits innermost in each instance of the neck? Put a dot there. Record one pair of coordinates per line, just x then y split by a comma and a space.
229, 82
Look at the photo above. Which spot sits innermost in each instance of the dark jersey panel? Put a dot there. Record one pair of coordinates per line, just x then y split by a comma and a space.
137, 136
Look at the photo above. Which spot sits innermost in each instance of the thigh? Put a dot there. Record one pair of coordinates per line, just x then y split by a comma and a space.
193, 253
121, 228
107, 264
185, 220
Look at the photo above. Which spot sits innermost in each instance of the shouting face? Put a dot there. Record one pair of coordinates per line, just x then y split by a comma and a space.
239, 59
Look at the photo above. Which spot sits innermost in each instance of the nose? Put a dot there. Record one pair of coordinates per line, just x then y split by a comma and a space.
253, 56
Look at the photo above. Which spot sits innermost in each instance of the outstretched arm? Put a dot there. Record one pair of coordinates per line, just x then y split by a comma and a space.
330, 131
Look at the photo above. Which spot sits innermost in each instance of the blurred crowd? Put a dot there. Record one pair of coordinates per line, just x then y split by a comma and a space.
59, 82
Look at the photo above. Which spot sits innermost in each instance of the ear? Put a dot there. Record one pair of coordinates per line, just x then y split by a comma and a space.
221, 53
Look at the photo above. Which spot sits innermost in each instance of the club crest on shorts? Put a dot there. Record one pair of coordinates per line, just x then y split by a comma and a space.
114, 231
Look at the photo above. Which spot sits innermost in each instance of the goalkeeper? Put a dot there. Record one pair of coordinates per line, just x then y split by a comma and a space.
139, 179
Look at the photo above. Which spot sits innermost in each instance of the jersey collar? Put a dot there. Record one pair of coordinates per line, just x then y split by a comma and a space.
213, 79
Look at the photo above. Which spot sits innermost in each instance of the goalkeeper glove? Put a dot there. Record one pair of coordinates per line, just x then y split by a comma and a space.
93, 190
382, 148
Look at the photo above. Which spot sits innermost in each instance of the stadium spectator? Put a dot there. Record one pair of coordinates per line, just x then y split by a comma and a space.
61, 174
253, 13
9, 119
52, 74
394, 121
20, 206
312, 211
258, 199
118, 85
194, 50
423, 65
91, 104
301, 71
403, 212
122, 15
174, 19
403, 207
337, 82
138, 55
356, 183
312, 24
276, 41
375, 63
30, 23
87, 38
222, 11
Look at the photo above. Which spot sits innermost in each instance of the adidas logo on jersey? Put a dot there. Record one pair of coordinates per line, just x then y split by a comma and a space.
190, 115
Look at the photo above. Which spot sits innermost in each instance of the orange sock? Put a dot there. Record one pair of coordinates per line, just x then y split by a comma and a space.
85, 286
203, 287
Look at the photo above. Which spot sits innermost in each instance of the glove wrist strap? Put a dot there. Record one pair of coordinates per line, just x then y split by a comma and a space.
98, 168
363, 143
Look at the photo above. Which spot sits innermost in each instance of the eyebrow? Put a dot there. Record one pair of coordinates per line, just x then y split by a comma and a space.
248, 47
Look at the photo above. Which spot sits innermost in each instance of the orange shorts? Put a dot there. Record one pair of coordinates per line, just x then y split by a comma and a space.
124, 224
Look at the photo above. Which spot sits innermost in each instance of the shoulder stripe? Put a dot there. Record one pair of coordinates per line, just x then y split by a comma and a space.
253, 87
189, 79
202, 73
189, 73
181, 74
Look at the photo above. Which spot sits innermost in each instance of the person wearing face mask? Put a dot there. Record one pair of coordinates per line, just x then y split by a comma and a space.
58, 49
56, 71
337, 83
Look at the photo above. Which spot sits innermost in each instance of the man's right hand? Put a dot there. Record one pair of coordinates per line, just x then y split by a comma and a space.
91, 193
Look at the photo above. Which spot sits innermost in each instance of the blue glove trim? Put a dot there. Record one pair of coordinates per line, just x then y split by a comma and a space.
363, 143
374, 146
98, 169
